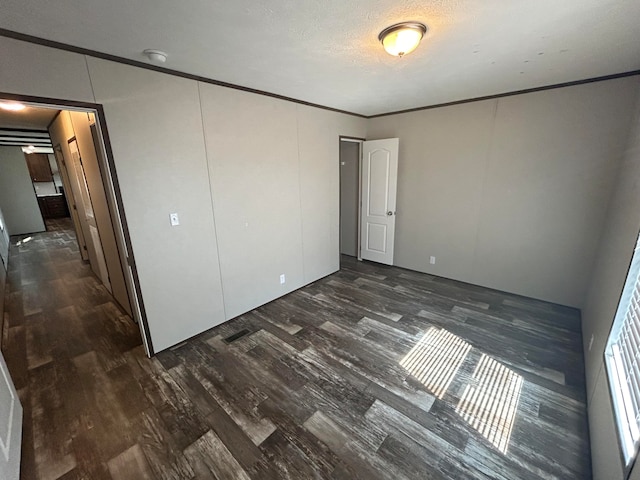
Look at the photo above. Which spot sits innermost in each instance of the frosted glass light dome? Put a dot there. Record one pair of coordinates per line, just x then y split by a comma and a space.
402, 38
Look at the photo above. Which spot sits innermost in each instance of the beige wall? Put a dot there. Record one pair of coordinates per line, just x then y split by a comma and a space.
59, 132
17, 196
270, 183
318, 134
30, 69
72, 124
82, 127
510, 193
273, 169
609, 274
155, 127
287, 181
251, 204
254, 171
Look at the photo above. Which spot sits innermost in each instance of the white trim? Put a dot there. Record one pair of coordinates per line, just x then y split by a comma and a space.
6, 445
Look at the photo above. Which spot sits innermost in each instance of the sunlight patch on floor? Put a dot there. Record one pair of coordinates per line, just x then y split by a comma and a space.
490, 401
436, 359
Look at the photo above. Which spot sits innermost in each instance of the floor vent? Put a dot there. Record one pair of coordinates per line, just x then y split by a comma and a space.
236, 336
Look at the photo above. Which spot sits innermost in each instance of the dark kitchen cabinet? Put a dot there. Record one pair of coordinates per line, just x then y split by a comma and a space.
39, 168
53, 206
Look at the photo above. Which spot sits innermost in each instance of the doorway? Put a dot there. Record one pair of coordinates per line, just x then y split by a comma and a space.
350, 152
368, 184
79, 152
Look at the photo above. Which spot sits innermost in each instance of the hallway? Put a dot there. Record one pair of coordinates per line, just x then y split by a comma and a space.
64, 346
374, 372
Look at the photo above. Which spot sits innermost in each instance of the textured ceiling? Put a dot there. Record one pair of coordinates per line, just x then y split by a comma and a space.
327, 52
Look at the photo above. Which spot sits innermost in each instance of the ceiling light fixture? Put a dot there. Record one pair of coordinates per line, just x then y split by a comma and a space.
402, 38
12, 106
155, 56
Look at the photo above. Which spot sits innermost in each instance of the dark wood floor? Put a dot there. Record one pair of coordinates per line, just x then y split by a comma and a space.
374, 372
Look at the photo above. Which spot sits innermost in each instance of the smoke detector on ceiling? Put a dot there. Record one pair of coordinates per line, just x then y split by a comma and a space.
155, 56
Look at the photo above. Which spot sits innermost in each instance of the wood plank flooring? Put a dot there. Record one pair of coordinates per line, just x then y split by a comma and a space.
374, 372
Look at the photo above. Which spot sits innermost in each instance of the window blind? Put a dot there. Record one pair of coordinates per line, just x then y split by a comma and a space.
622, 359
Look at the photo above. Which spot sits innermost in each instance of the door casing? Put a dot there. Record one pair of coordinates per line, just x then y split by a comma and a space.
393, 144
114, 195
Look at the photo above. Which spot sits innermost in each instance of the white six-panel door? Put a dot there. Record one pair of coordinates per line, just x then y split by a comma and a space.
10, 425
378, 212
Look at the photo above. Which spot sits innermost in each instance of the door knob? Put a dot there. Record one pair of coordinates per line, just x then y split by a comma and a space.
389, 213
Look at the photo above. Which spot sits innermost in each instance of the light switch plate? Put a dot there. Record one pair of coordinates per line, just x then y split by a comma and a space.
174, 219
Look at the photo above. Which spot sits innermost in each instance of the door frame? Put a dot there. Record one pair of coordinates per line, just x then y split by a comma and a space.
114, 200
358, 140
83, 198
70, 199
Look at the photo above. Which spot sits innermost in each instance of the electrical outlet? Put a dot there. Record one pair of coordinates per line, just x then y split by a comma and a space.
174, 219
282, 279
432, 260
591, 342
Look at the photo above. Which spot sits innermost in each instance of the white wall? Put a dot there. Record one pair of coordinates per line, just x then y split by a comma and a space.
609, 274
510, 193
17, 197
